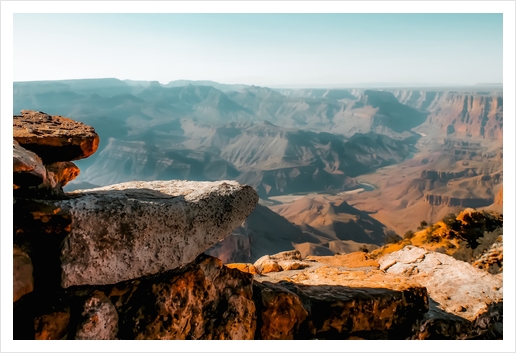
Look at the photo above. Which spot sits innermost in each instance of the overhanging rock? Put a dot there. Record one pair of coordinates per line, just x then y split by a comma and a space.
133, 229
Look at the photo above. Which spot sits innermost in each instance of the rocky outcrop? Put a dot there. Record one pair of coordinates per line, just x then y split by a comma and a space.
436, 175
120, 261
54, 138
136, 229
474, 202
474, 113
491, 259
325, 301
457, 290
203, 300
247, 268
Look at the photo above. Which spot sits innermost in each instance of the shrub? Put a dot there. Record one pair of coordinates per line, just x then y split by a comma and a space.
422, 225
408, 235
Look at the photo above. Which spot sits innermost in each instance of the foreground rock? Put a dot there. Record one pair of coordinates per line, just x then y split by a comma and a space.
135, 229
283, 261
466, 302
54, 138
333, 302
23, 281
204, 300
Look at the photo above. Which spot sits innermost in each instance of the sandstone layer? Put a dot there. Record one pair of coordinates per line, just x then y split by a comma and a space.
134, 229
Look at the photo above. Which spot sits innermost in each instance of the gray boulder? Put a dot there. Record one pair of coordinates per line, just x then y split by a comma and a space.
134, 229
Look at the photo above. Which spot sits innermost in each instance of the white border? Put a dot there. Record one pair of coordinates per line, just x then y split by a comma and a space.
505, 7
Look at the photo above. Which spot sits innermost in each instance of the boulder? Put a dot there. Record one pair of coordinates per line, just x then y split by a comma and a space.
54, 138
266, 265
459, 293
283, 261
134, 229
23, 281
203, 300
247, 268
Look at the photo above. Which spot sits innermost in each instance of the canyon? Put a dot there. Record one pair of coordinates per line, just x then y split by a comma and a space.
329, 173
426, 152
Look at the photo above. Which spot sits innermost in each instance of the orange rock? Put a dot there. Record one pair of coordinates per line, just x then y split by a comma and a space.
54, 138
202, 300
247, 268
61, 173
281, 311
351, 260
52, 326
271, 267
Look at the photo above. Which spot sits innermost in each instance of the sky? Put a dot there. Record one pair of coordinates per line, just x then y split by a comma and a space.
262, 49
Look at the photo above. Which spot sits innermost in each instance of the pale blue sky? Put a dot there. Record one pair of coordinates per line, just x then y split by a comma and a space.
261, 49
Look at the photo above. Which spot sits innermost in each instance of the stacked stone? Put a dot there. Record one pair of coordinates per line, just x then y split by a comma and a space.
123, 261
43, 148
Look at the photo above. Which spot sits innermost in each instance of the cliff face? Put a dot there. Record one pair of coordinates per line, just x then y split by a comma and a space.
473, 202
474, 114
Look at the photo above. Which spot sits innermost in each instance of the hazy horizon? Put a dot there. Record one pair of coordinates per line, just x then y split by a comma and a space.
496, 85
274, 50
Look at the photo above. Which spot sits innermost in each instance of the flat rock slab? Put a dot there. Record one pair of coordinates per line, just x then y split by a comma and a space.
457, 287
339, 302
54, 138
133, 229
